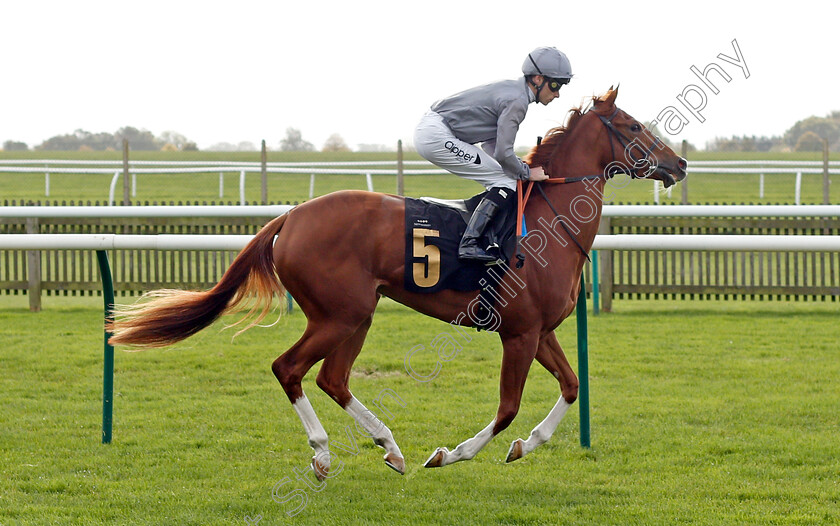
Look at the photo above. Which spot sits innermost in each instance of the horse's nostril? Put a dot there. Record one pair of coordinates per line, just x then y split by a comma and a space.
683, 164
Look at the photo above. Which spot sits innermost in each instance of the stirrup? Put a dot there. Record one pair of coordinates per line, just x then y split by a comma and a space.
470, 250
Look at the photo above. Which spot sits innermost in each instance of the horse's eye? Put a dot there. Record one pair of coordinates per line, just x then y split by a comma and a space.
636, 128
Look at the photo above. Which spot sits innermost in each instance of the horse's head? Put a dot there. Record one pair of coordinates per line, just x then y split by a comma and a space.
612, 140
634, 150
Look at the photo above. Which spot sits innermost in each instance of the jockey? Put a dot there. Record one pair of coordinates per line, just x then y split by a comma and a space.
490, 115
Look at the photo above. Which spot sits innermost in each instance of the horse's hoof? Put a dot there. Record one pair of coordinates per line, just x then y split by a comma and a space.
321, 471
436, 460
395, 462
515, 452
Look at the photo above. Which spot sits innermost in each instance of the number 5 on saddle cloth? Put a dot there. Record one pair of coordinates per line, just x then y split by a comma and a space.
433, 230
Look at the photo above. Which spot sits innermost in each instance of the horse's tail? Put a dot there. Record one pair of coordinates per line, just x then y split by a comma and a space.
170, 316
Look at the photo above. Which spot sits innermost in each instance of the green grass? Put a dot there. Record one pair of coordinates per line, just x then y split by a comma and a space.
702, 413
703, 188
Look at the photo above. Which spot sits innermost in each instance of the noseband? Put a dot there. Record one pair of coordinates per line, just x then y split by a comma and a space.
629, 146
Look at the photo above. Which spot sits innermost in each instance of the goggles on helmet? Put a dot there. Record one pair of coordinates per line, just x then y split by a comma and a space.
555, 84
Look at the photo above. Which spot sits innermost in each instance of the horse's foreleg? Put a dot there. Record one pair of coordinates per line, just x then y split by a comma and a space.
465, 450
333, 378
380, 433
516, 360
551, 356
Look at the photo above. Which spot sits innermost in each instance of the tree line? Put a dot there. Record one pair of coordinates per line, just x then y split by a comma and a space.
81, 140
806, 135
144, 140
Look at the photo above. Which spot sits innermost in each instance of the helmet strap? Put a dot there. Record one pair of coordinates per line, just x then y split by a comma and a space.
539, 71
537, 87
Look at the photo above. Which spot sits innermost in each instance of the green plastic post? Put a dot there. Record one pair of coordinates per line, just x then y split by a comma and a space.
596, 296
583, 365
108, 377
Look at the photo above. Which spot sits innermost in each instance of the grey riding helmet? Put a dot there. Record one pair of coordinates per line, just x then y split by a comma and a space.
548, 62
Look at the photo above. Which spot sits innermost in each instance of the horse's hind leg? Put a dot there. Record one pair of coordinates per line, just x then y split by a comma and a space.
551, 356
333, 378
318, 341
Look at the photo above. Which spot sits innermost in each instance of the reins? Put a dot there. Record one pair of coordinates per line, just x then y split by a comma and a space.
523, 200
607, 174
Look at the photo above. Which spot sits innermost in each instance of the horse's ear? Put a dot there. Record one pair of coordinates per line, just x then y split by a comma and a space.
608, 98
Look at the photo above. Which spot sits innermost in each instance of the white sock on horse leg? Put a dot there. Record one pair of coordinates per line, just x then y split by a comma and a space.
375, 428
470, 447
545, 429
314, 430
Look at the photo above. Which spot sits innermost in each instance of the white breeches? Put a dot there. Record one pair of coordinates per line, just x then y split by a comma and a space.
436, 143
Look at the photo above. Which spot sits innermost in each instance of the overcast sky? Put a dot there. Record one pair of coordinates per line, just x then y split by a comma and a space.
248, 70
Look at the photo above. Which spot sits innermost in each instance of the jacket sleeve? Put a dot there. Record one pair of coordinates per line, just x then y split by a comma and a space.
507, 127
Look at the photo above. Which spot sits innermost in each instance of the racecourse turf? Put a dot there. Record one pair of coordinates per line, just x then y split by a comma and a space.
703, 412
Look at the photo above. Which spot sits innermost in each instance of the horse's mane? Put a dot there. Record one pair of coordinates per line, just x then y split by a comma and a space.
540, 154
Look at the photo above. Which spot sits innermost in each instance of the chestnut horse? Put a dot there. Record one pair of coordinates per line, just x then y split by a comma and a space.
338, 254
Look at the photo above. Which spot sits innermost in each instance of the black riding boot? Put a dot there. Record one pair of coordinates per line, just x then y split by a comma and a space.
481, 218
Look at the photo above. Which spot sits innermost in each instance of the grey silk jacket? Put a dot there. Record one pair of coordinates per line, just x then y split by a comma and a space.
490, 114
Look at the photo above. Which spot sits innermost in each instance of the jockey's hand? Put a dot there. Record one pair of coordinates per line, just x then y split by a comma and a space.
537, 174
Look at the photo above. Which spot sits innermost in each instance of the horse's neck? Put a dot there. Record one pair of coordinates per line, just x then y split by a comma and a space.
579, 203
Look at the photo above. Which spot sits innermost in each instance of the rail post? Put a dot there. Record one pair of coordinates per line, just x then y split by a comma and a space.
826, 180
583, 365
684, 183
263, 174
797, 192
126, 182
605, 283
400, 182
33, 268
595, 284
108, 366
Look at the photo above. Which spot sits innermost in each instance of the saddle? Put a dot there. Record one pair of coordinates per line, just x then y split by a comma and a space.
433, 230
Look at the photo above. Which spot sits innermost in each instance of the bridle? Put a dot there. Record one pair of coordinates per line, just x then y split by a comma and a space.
614, 168
629, 146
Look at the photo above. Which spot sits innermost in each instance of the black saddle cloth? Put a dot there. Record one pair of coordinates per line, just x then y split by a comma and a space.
432, 233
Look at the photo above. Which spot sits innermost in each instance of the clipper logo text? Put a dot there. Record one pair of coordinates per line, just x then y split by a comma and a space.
467, 157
